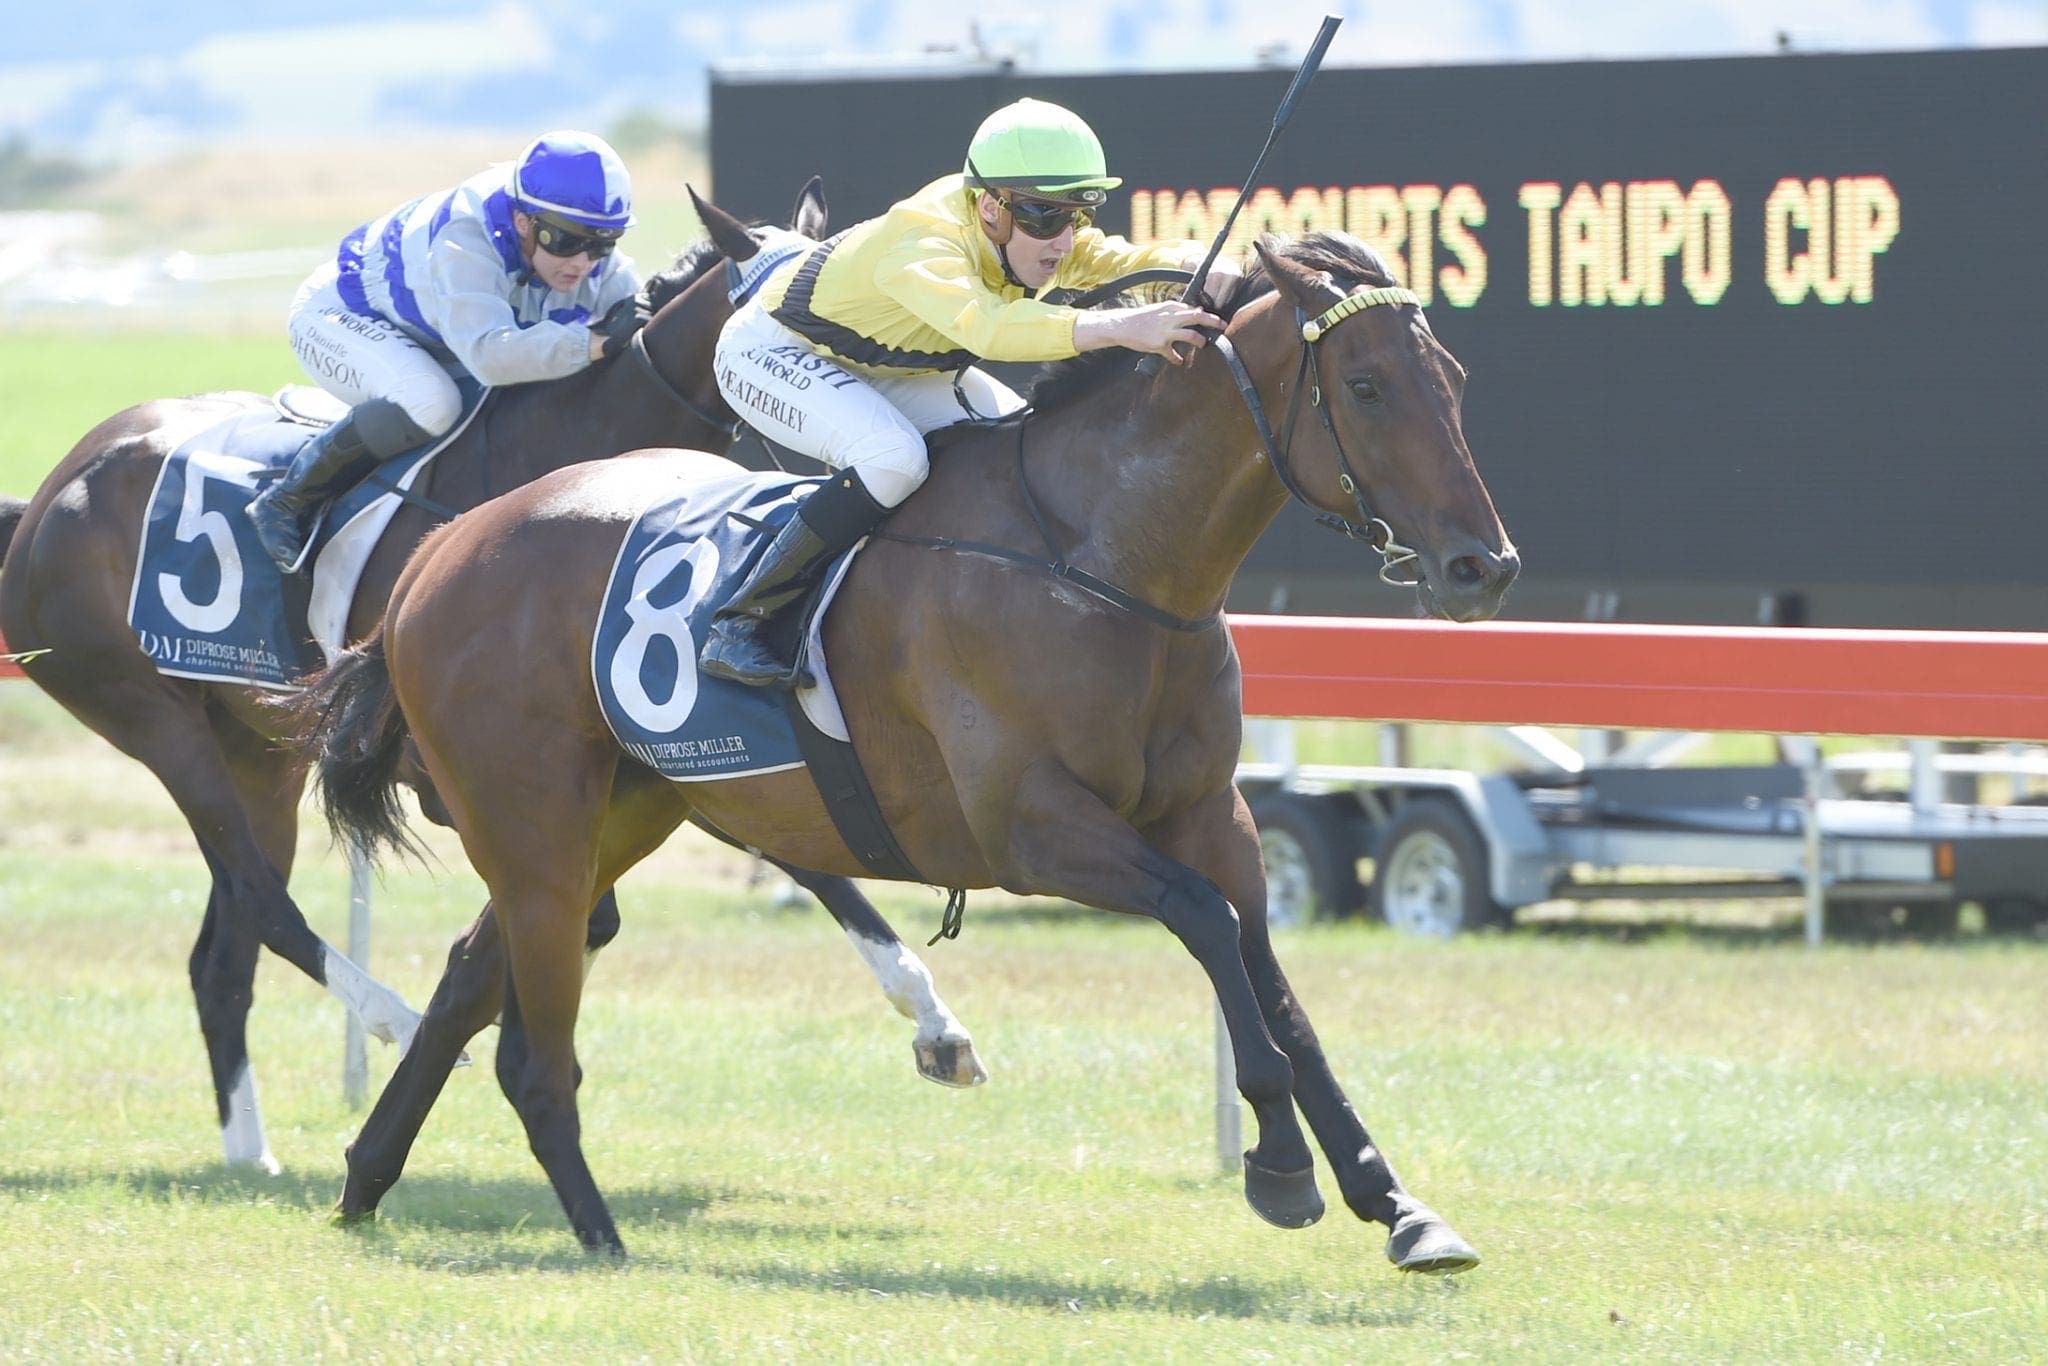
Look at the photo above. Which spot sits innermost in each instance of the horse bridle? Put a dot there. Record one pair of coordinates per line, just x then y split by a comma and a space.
1372, 529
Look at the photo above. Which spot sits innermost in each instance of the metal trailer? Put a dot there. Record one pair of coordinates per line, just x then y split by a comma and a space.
1453, 851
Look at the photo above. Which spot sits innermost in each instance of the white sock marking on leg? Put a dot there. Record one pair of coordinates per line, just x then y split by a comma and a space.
383, 1012
242, 1135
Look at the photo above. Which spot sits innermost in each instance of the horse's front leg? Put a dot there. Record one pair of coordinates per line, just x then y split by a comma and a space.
1060, 839
1218, 838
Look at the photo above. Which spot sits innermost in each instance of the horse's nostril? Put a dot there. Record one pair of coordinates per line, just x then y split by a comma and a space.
1481, 571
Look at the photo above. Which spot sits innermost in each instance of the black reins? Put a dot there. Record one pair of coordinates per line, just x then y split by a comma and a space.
728, 425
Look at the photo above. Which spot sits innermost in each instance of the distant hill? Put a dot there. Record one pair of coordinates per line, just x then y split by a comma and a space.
238, 197
226, 235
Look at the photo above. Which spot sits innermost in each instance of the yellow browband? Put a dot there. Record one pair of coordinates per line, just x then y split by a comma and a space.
1351, 303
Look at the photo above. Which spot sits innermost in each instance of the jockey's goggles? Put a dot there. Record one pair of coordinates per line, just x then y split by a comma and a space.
1044, 220
565, 240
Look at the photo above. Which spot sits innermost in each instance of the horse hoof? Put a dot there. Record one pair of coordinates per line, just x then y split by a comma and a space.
344, 1217
1424, 1243
1283, 1199
264, 1163
949, 1062
390, 1020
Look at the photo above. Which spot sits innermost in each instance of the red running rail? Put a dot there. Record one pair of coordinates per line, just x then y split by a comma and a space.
1941, 684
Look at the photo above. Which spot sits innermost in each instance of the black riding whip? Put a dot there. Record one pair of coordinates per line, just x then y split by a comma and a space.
1149, 365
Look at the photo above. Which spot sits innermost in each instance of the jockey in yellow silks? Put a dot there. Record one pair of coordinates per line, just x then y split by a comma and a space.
854, 351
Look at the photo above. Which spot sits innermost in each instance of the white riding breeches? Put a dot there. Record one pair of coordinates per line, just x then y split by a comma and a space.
356, 357
815, 406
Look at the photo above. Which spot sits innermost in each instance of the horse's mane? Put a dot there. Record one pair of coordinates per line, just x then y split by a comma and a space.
1348, 260
690, 266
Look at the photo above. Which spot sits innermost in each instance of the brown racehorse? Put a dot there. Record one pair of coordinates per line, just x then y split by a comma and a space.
1066, 726
214, 744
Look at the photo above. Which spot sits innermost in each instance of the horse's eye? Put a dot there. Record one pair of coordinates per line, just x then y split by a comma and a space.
1364, 390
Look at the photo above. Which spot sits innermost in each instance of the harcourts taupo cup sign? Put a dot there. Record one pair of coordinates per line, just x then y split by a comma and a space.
1768, 324
1622, 244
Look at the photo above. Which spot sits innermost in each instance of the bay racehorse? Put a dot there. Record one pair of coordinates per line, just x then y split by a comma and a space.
215, 745
1035, 670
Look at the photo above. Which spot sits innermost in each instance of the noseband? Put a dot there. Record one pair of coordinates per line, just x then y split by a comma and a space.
1395, 558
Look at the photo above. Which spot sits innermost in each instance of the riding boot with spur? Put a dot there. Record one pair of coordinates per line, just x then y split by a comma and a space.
751, 638
330, 463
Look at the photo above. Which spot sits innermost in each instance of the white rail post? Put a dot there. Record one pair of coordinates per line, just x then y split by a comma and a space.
1229, 1120
1816, 906
355, 1061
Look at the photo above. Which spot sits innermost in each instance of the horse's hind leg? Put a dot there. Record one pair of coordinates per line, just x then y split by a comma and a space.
603, 928
223, 973
546, 830
163, 723
467, 998
944, 1051
470, 994
223, 962
542, 905
1222, 842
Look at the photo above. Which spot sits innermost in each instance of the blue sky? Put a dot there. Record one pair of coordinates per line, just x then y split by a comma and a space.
121, 79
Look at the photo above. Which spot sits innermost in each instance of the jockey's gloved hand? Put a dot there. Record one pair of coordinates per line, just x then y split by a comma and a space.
618, 325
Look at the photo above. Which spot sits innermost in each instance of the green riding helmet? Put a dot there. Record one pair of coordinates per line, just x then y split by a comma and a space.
1041, 149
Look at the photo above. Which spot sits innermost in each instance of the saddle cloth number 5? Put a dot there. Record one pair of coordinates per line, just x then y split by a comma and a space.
197, 523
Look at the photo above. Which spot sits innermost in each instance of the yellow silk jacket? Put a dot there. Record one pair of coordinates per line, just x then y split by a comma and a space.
921, 289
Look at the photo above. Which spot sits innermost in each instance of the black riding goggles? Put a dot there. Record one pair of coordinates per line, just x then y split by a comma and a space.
1043, 220
566, 240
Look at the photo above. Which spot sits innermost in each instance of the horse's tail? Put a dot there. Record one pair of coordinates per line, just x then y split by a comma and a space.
10, 518
348, 718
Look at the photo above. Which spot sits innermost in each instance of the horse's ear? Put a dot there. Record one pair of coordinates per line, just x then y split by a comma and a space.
1309, 290
808, 217
727, 233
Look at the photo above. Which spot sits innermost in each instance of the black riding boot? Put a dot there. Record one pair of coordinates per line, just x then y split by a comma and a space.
746, 641
330, 463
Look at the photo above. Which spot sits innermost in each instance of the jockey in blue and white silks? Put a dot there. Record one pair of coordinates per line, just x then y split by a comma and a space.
510, 277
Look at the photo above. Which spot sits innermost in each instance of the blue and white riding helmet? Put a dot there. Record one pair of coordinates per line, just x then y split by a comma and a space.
575, 177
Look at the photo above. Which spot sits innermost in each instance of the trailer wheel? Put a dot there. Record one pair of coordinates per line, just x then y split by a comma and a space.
2016, 915
1431, 874
1880, 919
1931, 919
1311, 860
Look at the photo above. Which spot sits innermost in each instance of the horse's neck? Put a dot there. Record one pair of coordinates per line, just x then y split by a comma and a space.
679, 343
1162, 485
